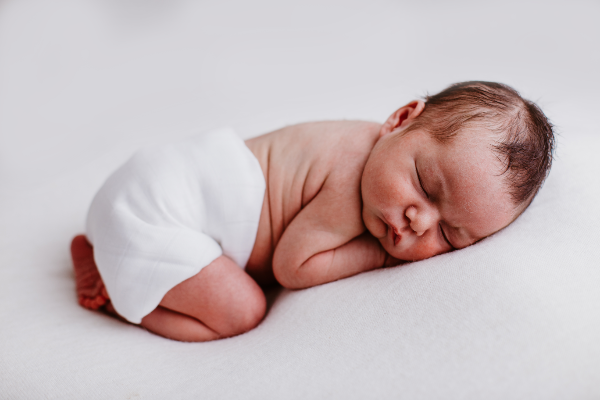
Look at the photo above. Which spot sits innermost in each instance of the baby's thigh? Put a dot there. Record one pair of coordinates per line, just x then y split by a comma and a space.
222, 296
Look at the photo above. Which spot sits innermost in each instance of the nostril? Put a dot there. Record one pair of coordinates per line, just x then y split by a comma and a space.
411, 213
417, 231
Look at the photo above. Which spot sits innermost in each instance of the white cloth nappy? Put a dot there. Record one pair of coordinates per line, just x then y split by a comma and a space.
171, 210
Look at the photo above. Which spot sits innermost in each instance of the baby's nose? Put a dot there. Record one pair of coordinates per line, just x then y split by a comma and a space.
419, 221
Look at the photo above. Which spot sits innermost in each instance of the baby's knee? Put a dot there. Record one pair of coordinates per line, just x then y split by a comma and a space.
249, 311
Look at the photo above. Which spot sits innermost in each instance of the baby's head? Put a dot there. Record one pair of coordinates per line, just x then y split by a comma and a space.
454, 169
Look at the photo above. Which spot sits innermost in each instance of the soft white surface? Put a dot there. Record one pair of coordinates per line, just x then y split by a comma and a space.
171, 210
85, 83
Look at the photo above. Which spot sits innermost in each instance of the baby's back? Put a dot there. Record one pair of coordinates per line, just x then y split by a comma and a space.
301, 162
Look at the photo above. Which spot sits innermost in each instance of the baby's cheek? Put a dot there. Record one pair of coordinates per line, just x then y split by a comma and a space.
376, 227
423, 249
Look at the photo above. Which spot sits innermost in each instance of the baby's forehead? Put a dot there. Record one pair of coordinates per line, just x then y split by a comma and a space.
470, 146
473, 135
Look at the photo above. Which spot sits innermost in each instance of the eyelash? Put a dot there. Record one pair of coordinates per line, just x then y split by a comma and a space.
444, 236
427, 195
421, 183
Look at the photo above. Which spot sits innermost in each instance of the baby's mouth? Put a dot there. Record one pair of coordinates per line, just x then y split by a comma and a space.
393, 232
395, 236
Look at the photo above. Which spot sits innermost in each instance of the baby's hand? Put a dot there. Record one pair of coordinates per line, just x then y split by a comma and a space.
363, 253
391, 261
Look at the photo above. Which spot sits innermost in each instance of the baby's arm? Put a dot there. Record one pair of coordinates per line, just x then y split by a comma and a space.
325, 242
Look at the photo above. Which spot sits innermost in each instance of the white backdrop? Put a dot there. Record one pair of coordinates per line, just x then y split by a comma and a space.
85, 83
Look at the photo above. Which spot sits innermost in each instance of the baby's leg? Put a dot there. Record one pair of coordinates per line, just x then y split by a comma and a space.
220, 301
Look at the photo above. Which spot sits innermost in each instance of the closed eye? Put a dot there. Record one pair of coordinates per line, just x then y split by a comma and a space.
420, 182
445, 237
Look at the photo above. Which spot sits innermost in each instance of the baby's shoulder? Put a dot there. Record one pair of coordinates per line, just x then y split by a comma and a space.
332, 131
328, 142
338, 152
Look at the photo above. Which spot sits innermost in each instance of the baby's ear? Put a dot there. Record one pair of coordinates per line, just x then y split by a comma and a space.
402, 117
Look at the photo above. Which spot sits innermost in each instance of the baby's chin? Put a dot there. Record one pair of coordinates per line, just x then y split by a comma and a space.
413, 253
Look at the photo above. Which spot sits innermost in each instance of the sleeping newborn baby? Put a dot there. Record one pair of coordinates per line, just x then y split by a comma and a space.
182, 237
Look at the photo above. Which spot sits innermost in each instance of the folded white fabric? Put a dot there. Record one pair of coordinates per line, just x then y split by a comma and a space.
170, 211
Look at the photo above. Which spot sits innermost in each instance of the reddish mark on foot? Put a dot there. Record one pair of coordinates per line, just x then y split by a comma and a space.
91, 292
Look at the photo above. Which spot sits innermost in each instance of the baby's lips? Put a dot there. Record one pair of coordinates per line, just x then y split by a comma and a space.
392, 232
397, 237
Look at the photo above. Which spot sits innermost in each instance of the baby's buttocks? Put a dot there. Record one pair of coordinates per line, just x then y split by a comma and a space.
170, 211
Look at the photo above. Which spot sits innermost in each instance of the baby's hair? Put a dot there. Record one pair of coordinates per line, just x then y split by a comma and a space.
527, 138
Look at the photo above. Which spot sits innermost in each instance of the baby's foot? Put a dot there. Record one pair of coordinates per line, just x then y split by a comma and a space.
91, 292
